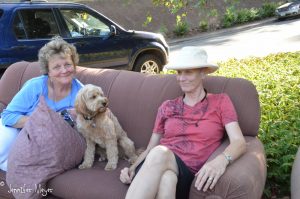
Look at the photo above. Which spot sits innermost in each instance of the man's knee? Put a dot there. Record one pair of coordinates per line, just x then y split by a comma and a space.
159, 155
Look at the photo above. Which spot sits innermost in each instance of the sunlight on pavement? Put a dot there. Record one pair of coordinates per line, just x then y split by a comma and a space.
259, 41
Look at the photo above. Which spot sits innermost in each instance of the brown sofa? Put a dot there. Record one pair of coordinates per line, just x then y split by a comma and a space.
135, 98
295, 177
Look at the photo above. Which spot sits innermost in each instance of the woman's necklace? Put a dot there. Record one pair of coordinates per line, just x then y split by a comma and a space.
55, 99
203, 111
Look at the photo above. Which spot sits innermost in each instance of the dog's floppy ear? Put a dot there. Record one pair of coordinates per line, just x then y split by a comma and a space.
100, 90
80, 105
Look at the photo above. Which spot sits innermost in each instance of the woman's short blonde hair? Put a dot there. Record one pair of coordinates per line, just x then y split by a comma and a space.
57, 46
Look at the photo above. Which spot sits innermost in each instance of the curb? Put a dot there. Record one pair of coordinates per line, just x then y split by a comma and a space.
221, 31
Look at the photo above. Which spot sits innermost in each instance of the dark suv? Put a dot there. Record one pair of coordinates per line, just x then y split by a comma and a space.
25, 27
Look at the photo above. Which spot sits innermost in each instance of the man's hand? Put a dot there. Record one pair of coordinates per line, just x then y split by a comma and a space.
209, 174
127, 175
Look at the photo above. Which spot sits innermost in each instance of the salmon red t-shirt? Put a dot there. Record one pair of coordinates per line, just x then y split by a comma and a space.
194, 133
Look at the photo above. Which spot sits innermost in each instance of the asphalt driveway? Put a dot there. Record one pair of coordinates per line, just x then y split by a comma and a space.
255, 39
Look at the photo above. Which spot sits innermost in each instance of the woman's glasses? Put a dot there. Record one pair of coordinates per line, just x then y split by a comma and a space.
60, 67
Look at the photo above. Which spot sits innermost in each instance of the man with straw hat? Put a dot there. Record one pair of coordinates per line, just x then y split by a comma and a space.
187, 131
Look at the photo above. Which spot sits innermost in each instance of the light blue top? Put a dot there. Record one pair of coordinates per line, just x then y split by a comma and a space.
25, 101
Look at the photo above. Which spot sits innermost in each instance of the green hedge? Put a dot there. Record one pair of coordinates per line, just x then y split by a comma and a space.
277, 79
234, 16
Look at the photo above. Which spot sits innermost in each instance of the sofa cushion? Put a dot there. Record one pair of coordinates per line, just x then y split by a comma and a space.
94, 183
47, 146
4, 188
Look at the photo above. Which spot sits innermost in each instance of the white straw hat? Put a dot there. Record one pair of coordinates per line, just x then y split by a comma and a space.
191, 57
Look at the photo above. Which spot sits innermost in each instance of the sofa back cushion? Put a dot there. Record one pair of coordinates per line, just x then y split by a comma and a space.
135, 97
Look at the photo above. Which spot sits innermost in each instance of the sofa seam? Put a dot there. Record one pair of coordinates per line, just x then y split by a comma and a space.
22, 75
225, 84
3, 104
111, 84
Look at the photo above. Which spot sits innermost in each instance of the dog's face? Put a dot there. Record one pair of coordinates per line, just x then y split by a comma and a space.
91, 99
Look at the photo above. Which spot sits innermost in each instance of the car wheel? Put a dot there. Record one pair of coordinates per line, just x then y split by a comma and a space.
280, 19
149, 64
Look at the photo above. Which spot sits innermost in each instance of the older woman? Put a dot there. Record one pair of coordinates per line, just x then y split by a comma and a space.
187, 131
58, 61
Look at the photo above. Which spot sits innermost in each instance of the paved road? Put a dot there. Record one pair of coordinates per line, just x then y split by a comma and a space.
256, 39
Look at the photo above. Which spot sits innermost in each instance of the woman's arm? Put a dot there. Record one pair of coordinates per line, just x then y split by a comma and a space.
211, 171
127, 174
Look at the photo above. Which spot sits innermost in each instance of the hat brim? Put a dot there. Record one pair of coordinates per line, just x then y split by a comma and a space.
210, 68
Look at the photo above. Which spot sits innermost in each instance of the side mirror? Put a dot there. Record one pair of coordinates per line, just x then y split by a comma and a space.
113, 30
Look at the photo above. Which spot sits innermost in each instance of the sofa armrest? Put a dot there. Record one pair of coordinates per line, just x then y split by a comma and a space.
245, 178
13, 79
295, 177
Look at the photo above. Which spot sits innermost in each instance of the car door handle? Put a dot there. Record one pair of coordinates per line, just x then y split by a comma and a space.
80, 44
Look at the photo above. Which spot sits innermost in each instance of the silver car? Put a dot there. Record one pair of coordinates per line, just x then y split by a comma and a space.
291, 8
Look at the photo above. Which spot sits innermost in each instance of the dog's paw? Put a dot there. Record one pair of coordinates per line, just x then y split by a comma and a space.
132, 159
110, 166
84, 166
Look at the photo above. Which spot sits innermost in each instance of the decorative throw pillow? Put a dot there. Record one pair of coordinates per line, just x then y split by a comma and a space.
46, 147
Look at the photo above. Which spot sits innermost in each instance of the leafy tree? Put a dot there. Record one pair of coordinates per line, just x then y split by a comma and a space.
175, 6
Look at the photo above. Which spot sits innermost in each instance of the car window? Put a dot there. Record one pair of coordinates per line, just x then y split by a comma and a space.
1, 13
19, 28
83, 24
35, 23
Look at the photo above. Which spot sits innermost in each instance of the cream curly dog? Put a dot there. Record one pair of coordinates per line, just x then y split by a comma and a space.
99, 126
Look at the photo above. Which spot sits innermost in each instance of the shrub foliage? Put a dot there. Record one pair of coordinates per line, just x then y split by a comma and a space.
277, 79
234, 16
230, 17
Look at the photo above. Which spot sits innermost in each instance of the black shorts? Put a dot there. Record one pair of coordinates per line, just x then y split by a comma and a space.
185, 178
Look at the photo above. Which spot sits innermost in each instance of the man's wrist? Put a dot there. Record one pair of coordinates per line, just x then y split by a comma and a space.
227, 157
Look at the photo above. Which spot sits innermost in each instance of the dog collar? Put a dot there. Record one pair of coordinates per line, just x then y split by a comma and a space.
88, 117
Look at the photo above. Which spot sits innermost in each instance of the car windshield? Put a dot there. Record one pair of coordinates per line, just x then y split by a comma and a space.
81, 24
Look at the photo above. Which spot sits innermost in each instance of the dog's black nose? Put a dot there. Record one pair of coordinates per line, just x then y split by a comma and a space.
104, 103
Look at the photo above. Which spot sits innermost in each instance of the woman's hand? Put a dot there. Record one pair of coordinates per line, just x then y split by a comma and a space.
209, 174
126, 175
21, 122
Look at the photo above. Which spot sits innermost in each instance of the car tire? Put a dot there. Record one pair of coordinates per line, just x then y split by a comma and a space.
279, 19
149, 64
